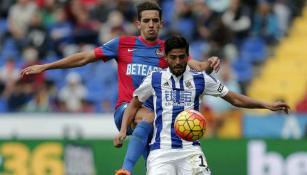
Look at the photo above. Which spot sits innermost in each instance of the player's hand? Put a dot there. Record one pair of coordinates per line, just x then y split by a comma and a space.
214, 63
35, 69
280, 106
119, 139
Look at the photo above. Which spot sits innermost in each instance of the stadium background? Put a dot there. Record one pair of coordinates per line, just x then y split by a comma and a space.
60, 122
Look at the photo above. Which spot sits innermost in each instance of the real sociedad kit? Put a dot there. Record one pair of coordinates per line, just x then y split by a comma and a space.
171, 95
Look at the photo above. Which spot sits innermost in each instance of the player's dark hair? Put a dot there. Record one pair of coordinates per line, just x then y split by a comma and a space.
148, 5
176, 42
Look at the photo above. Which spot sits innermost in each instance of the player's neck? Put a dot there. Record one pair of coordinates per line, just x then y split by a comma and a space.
149, 42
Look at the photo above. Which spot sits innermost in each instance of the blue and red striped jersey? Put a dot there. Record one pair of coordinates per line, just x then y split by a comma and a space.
136, 58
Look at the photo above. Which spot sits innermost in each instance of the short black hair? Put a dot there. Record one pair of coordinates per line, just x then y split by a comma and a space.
176, 42
148, 5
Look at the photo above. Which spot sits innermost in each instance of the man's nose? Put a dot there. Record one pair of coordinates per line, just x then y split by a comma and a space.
151, 23
177, 61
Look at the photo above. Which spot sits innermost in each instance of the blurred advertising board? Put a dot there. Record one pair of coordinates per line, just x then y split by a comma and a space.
61, 157
99, 157
275, 126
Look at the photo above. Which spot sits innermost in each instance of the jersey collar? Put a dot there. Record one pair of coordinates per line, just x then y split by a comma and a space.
148, 43
170, 74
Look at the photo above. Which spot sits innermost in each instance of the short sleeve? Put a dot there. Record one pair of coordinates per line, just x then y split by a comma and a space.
214, 87
145, 90
108, 51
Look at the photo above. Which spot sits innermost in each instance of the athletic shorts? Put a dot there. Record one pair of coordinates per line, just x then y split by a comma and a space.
148, 104
190, 161
118, 117
119, 113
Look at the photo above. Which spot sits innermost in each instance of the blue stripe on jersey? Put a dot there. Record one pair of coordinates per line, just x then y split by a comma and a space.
156, 83
110, 49
196, 143
149, 104
176, 141
199, 84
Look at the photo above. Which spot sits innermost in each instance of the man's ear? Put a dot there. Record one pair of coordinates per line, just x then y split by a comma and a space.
138, 24
162, 24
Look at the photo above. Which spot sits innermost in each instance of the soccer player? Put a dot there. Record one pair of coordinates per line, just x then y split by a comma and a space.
174, 90
136, 56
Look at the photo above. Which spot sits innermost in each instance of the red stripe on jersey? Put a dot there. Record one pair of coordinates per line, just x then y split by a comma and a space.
163, 63
99, 54
125, 83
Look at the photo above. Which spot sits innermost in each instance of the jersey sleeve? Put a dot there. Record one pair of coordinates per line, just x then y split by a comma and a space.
214, 87
145, 90
108, 51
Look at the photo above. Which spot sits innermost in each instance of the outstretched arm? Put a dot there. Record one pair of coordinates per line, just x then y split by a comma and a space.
128, 117
247, 102
213, 63
74, 60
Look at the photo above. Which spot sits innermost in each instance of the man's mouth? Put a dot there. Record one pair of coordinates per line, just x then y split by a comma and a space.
178, 68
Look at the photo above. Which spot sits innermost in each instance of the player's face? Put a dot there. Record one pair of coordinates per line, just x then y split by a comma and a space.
149, 25
177, 60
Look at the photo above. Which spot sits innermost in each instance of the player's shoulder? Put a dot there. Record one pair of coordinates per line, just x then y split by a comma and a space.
127, 37
162, 41
158, 72
201, 75
127, 40
195, 72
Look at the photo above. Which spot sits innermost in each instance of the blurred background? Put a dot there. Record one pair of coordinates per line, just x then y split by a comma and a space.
61, 122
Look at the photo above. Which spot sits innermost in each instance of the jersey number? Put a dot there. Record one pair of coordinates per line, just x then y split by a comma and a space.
202, 161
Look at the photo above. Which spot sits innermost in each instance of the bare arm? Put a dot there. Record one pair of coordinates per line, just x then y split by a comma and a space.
213, 63
247, 102
128, 117
74, 60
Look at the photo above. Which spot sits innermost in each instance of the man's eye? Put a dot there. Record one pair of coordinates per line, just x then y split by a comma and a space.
155, 20
146, 20
181, 56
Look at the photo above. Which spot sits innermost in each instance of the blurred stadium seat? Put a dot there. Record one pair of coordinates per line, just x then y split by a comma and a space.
253, 49
243, 69
195, 20
3, 26
284, 75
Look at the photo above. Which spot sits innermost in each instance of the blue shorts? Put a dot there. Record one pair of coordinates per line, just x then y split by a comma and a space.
119, 113
118, 117
148, 104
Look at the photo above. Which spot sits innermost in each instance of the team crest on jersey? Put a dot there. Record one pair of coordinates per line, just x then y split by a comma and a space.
159, 53
188, 84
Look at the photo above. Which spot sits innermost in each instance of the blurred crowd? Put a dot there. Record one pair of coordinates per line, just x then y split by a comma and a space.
241, 33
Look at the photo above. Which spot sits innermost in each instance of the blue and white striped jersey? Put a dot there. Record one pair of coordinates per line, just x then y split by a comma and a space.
172, 95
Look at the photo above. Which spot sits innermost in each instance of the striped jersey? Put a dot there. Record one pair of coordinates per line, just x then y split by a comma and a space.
171, 95
136, 58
